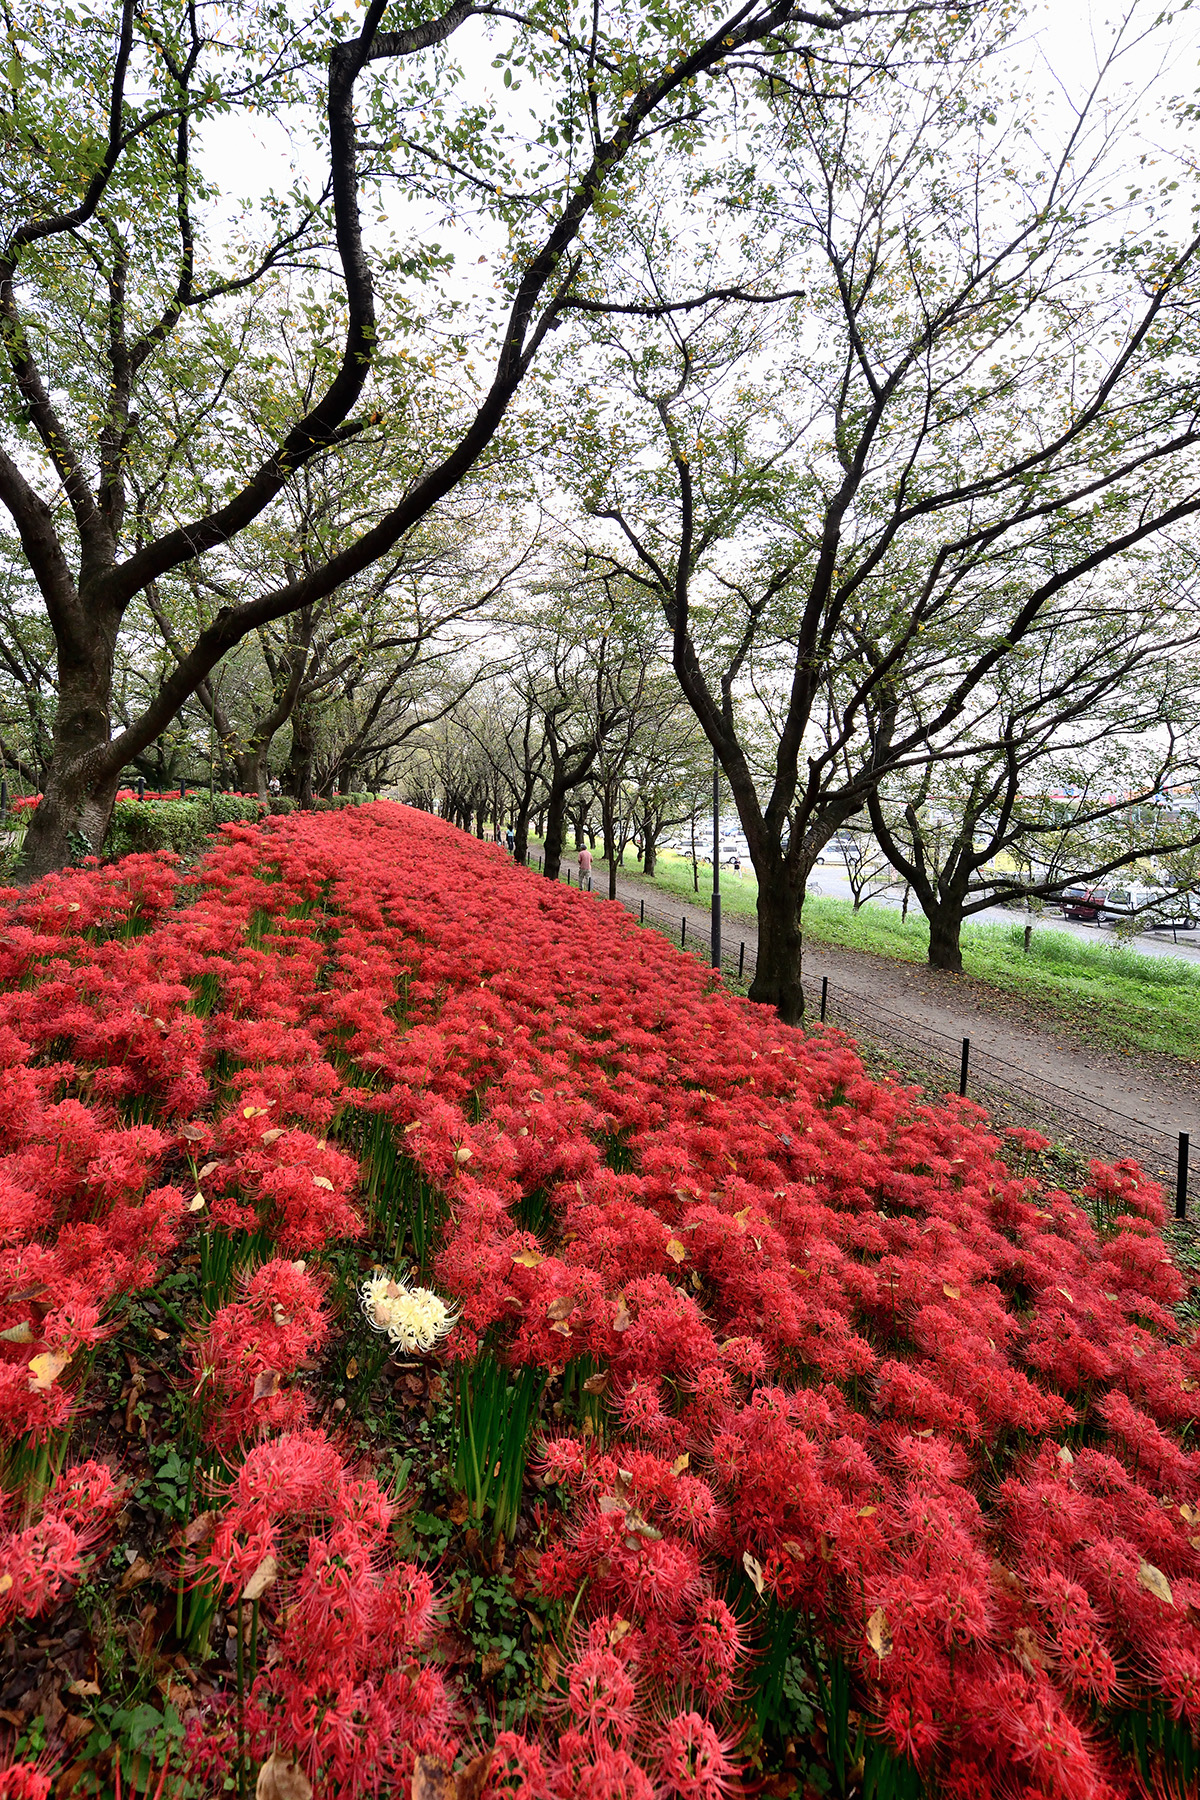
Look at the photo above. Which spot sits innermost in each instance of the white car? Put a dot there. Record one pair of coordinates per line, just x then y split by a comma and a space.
1152, 909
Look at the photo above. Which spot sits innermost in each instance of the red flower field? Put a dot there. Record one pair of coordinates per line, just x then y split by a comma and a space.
826, 1445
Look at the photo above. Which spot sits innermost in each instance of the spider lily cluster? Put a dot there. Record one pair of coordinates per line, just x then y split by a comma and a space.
853, 1387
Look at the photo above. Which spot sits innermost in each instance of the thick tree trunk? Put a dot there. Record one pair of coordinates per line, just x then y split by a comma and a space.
72, 817
945, 950
250, 768
777, 973
521, 833
300, 762
649, 850
556, 819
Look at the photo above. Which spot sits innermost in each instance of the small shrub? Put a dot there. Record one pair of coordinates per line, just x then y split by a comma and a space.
229, 809
140, 825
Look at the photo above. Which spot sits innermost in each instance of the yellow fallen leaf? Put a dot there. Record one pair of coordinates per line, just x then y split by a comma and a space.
463, 1154
323, 1181
1066, 1296
951, 1293
1155, 1582
253, 1112
18, 1334
197, 1203
45, 1369
867, 1512
680, 1464
209, 1168
754, 1570
528, 1259
879, 1635
273, 1136
675, 1250
352, 1368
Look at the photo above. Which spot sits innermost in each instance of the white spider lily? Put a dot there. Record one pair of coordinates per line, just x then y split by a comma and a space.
413, 1318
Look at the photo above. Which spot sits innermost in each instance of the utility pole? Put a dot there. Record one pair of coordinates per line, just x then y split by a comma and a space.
716, 893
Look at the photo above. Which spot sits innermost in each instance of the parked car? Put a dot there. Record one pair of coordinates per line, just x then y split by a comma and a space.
1085, 903
1152, 909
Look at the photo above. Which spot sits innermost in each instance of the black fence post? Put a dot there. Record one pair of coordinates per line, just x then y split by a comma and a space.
741, 958
683, 932
1181, 1179
183, 790
824, 997
3, 796
962, 1073
642, 916
141, 787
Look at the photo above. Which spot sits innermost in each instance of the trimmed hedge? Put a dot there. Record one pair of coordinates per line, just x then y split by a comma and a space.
186, 825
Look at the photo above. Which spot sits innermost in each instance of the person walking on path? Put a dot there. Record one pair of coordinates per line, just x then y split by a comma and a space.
585, 868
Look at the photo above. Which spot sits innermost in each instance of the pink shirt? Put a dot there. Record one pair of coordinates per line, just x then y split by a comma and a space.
585, 861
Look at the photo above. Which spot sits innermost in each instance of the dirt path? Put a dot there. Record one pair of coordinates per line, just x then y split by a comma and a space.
1025, 1066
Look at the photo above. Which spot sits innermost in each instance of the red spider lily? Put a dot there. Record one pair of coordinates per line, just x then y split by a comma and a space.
251, 1347
39, 1560
913, 1392
343, 1691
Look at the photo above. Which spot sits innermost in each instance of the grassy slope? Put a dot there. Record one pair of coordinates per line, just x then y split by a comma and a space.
1132, 1001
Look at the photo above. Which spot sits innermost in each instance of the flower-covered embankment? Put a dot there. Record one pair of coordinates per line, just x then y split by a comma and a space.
810, 1375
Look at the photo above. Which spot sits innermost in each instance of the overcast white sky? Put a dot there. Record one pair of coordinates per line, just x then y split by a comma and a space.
1058, 55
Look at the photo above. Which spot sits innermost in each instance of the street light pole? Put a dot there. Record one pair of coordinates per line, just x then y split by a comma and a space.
716, 891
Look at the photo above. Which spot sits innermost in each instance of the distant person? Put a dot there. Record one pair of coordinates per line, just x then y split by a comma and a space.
510, 838
585, 868
737, 865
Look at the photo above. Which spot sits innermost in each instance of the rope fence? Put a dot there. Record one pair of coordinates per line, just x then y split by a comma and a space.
1091, 1126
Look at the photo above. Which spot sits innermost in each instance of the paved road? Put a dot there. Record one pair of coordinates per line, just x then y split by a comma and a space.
1106, 1100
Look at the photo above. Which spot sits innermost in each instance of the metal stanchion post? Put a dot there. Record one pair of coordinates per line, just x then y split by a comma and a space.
683, 931
966, 1058
824, 997
642, 918
741, 958
716, 891
1181, 1178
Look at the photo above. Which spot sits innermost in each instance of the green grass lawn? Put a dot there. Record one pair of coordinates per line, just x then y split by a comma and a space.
1127, 999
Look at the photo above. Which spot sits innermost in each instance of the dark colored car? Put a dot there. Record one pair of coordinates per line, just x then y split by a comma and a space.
1085, 903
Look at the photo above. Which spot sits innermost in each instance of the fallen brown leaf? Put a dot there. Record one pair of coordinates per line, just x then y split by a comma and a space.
282, 1779
265, 1576
879, 1634
137, 1572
